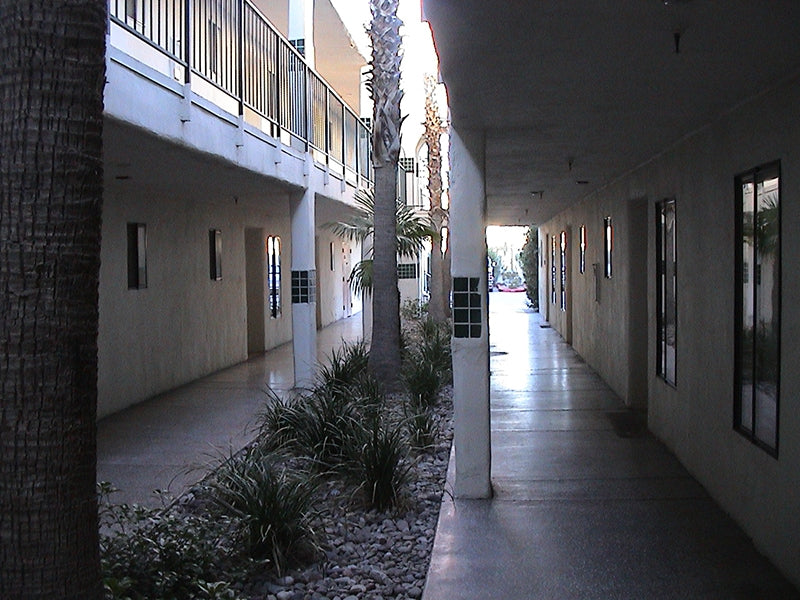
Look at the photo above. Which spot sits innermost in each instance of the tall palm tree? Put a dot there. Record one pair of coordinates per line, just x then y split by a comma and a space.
413, 229
52, 62
438, 306
384, 32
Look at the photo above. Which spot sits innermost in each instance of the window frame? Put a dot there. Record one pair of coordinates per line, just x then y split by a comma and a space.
663, 304
215, 254
755, 176
608, 247
274, 276
562, 243
137, 255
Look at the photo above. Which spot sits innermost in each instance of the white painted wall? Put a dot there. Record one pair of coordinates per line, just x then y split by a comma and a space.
195, 166
695, 419
183, 325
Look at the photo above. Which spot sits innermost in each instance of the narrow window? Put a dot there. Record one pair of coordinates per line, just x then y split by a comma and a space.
666, 290
215, 254
333, 262
553, 269
563, 248
758, 281
274, 275
582, 265
137, 256
608, 246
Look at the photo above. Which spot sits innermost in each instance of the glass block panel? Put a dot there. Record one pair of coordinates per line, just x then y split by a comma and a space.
467, 307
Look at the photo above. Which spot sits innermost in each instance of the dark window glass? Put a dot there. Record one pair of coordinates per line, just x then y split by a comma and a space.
274, 275
137, 256
563, 248
553, 293
608, 246
215, 254
582, 265
758, 306
667, 289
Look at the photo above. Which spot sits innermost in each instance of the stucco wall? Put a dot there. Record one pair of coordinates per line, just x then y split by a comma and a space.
183, 325
695, 418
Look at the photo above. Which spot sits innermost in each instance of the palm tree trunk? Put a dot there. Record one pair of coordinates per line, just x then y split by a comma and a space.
384, 33
434, 128
52, 61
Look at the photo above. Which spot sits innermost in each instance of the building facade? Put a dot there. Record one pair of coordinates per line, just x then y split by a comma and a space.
225, 147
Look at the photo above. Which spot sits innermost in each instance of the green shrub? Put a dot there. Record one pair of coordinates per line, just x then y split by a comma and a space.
344, 366
421, 425
273, 506
378, 462
155, 554
422, 379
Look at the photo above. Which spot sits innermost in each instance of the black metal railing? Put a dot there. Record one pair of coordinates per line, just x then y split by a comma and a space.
232, 48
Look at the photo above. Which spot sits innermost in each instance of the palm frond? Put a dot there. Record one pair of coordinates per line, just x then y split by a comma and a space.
361, 277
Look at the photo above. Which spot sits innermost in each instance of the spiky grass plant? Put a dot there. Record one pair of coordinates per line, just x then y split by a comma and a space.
422, 379
420, 422
378, 461
273, 505
345, 365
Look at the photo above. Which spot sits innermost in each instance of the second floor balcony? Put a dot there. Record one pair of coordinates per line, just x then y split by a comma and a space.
227, 52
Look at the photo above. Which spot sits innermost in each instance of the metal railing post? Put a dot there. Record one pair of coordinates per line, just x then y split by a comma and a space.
240, 59
189, 42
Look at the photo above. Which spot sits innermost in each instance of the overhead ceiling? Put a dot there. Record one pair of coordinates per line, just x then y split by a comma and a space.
570, 91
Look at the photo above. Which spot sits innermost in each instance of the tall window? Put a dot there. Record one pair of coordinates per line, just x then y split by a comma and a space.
563, 248
582, 265
215, 254
758, 276
666, 293
137, 256
608, 246
553, 269
274, 275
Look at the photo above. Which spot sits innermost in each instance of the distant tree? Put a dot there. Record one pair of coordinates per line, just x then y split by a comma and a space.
52, 64
384, 33
529, 259
439, 305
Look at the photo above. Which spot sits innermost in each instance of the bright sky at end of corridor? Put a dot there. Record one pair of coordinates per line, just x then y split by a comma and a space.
512, 235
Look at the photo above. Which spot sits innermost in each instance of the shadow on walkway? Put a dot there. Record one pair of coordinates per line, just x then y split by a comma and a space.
167, 442
588, 504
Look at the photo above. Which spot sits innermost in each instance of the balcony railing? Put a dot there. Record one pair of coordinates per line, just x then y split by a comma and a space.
234, 57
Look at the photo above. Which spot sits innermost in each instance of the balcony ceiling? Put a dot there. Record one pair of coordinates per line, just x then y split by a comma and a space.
598, 82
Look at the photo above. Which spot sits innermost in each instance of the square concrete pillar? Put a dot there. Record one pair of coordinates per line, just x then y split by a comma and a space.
304, 289
472, 437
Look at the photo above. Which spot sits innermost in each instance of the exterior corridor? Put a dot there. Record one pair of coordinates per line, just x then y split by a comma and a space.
169, 441
587, 504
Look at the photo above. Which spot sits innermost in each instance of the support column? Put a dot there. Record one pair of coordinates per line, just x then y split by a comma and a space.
304, 290
472, 438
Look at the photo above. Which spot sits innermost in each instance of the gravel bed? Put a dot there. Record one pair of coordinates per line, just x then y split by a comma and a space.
375, 555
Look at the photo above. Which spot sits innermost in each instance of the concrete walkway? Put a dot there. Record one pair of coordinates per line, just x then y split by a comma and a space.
587, 505
167, 442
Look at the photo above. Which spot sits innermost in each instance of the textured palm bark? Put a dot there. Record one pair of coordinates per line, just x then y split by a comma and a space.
438, 307
52, 62
384, 361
